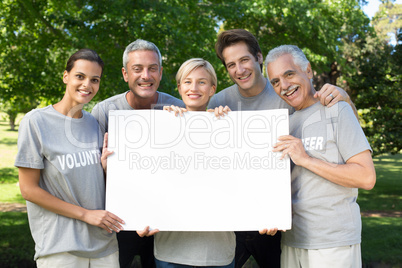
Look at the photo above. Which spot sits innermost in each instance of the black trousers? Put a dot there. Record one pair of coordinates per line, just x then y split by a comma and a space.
265, 249
131, 244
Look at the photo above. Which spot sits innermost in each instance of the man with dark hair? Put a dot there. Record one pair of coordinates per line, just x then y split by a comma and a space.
240, 53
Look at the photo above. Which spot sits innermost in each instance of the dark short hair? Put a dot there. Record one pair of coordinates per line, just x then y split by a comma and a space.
231, 37
84, 54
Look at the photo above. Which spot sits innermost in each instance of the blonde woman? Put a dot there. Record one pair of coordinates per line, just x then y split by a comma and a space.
196, 82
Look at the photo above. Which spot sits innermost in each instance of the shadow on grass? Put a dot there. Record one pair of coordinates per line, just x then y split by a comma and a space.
6, 126
16, 244
10, 130
8, 175
9, 141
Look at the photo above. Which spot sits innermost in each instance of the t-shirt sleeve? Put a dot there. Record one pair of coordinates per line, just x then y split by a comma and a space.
178, 102
29, 145
351, 139
212, 102
100, 115
165, 99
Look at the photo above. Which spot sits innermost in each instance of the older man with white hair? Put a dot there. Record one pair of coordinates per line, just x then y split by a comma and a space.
332, 160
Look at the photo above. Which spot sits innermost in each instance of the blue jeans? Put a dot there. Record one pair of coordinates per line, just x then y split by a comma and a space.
162, 264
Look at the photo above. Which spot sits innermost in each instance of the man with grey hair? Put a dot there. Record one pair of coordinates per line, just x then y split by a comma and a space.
332, 160
142, 70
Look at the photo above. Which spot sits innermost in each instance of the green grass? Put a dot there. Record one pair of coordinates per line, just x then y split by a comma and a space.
10, 193
17, 247
9, 190
8, 151
381, 240
387, 193
381, 237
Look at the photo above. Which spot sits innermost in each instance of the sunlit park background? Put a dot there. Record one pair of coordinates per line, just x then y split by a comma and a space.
357, 51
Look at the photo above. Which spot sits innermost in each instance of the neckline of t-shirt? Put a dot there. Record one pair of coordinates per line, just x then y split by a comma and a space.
129, 106
265, 90
314, 106
67, 117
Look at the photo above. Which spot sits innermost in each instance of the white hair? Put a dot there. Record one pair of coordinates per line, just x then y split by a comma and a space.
298, 56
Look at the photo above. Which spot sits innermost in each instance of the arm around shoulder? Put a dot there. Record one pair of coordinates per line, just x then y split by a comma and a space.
329, 95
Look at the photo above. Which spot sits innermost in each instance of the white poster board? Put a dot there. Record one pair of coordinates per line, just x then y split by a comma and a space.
197, 172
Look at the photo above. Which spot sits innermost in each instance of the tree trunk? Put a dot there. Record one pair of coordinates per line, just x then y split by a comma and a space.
12, 116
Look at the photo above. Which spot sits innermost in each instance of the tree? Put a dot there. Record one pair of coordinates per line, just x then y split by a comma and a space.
29, 58
374, 79
343, 49
38, 36
388, 21
372, 73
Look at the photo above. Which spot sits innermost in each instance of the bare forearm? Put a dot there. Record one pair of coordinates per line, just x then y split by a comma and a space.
354, 175
30, 190
44, 199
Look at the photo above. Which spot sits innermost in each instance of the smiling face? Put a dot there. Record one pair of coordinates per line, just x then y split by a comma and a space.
291, 83
82, 81
143, 73
196, 89
244, 69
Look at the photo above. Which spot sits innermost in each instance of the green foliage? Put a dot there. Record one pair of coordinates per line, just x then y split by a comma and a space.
37, 38
181, 29
15, 105
388, 21
373, 75
316, 26
29, 57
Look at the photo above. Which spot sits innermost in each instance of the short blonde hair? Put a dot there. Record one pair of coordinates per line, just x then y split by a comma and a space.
190, 65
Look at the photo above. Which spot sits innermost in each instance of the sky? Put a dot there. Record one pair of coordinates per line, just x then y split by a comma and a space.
372, 7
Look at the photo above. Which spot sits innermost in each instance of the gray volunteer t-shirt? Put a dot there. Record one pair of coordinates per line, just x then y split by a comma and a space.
192, 248
195, 248
325, 214
67, 152
119, 102
266, 100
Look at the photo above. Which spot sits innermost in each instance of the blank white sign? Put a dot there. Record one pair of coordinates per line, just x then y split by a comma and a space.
197, 172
